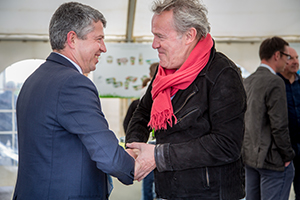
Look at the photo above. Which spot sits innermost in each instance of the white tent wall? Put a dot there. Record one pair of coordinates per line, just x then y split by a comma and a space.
17, 50
238, 26
245, 54
230, 19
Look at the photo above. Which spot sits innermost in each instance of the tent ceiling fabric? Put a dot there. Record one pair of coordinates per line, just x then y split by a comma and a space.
230, 20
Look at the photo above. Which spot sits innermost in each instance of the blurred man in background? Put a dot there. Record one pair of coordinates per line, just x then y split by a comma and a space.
292, 86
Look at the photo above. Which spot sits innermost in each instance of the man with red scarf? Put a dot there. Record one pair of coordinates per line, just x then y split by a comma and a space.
195, 106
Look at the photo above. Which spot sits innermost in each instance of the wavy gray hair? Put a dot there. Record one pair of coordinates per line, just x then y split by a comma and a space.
186, 13
75, 17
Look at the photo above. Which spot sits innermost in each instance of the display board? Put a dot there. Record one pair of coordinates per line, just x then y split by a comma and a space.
122, 69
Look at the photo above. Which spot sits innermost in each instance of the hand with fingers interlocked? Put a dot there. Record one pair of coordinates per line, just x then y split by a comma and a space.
145, 161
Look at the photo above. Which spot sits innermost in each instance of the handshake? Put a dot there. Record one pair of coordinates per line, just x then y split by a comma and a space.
144, 158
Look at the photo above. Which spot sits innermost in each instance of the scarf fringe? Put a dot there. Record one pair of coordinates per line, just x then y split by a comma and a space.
160, 120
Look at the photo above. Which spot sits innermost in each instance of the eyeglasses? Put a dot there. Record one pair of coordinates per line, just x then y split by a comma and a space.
287, 55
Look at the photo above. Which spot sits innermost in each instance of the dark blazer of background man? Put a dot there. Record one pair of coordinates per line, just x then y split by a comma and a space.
65, 147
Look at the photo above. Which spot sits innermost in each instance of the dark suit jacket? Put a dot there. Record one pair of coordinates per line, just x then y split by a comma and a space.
65, 146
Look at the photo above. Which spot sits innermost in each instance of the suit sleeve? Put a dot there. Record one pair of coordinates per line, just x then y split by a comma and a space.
79, 112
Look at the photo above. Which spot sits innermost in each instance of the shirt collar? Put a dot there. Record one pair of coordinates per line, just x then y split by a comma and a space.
297, 77
77, 66
268, 67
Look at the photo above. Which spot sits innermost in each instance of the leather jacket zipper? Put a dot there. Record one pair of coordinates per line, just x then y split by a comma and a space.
207, 176
185, 102
178, 120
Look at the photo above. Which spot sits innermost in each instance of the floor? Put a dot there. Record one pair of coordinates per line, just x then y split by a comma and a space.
131, 192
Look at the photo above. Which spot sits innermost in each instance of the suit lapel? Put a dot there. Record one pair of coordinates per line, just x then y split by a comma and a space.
54, 57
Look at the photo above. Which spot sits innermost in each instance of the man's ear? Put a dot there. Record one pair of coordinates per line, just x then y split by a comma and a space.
71, 39
276, 55
191, 35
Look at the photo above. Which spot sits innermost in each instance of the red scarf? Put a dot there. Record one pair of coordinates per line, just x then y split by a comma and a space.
168, 81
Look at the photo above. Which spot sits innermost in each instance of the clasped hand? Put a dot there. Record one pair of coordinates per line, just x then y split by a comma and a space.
144, 158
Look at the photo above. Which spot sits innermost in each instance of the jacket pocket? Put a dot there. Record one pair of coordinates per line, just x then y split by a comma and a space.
199, 182
274, 158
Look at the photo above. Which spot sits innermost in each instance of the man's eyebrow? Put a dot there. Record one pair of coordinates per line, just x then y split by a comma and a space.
158, 34
100, 36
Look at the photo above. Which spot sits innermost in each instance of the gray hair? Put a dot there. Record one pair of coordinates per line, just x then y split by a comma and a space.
186, 13
75, 17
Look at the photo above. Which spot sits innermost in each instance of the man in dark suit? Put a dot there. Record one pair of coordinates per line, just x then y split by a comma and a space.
66, 149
